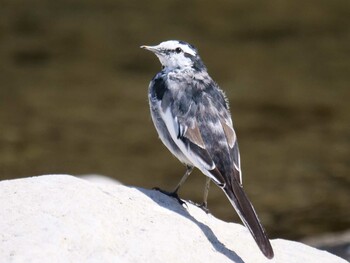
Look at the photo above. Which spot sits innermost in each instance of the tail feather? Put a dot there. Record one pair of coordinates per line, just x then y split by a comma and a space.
246, 212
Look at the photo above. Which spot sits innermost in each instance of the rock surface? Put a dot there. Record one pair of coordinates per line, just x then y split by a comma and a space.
60, 218
335, 243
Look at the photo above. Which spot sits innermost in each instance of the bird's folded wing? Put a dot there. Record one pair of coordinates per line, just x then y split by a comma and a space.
194, 135
233, 146
195, 145
229, 132
191, 137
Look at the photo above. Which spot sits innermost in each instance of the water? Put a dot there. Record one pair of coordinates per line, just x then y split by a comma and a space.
74, 98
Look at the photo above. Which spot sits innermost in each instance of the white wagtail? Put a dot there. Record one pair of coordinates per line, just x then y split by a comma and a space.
191, 115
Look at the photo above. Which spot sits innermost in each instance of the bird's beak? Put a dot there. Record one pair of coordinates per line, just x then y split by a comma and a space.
154, 49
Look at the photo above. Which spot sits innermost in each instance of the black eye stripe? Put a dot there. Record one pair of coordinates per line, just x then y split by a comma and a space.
176, 50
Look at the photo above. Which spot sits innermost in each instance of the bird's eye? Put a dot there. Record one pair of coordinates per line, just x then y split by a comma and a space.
178, 50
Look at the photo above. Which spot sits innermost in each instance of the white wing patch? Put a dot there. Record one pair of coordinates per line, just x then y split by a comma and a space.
238, 167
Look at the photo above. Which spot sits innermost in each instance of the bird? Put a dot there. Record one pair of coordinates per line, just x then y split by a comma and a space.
192, 117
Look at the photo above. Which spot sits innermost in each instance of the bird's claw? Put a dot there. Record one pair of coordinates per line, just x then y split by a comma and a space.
171, 194
202, 206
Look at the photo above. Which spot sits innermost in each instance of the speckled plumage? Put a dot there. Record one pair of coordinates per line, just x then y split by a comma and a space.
191, 115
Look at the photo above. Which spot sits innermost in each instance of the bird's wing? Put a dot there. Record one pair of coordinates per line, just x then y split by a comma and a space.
185, 132
231, 138
197, 148
220, 108
220, 104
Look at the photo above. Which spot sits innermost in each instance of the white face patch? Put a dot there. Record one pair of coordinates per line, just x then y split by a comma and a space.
169, 57
174, 60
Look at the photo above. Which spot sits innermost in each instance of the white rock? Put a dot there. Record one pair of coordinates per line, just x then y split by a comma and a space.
99, 179
60, 218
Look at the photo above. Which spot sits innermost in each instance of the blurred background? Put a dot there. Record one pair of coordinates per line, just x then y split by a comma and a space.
73, 98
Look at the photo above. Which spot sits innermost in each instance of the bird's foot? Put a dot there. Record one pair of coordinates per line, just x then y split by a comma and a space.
202, 206
171, 194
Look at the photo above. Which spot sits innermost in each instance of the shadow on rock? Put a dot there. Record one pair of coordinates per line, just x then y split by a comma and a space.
174, 206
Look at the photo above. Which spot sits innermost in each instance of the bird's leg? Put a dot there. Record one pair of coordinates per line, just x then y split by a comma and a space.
204, 205
205, 195
174, 192
189, 170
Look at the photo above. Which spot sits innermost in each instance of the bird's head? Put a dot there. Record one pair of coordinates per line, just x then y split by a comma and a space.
177, 54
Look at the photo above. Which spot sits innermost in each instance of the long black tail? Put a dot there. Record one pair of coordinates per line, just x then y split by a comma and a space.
246, 212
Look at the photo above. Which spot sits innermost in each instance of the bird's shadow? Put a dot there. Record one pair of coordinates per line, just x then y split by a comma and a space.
166, 201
